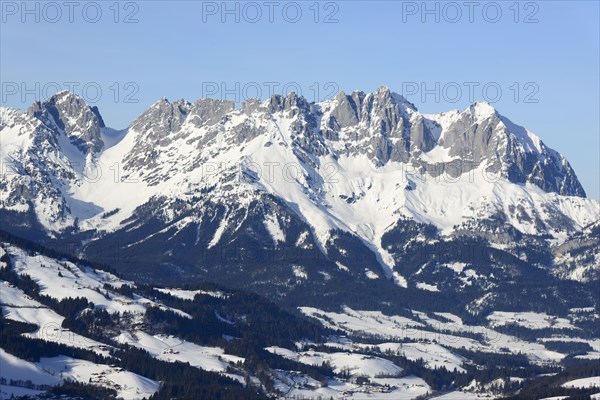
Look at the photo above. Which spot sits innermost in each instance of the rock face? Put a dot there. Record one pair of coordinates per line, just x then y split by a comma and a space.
70, 114
481, 135
206, 191
387, 127
383, 125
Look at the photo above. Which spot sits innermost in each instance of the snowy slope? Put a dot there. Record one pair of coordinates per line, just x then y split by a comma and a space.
583, 383
53, 371
449, 335
62, 279
14, 368
129, 386
355, 364
169, 348
18, 307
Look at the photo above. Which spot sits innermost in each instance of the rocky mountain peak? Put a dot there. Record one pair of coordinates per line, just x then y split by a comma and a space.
69, 113
382, 108
161, 119
481, 110
292, 102
481, 136
385, 96
206, 112
376, 123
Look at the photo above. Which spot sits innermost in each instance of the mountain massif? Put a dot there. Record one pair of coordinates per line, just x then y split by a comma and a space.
359, 216
278, 190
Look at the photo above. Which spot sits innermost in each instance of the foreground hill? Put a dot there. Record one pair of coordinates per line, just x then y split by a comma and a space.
72, 328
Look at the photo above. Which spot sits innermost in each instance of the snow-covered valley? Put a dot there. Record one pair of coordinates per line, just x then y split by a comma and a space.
362, 348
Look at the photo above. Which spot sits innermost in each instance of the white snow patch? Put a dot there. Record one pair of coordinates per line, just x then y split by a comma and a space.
370, 274
583, 383
427, 286
299, 272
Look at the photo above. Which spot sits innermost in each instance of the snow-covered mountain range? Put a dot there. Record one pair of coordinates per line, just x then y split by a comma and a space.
187, 185
383, 226
344, 155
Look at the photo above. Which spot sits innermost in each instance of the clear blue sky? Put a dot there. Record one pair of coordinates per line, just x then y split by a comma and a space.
177, 48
